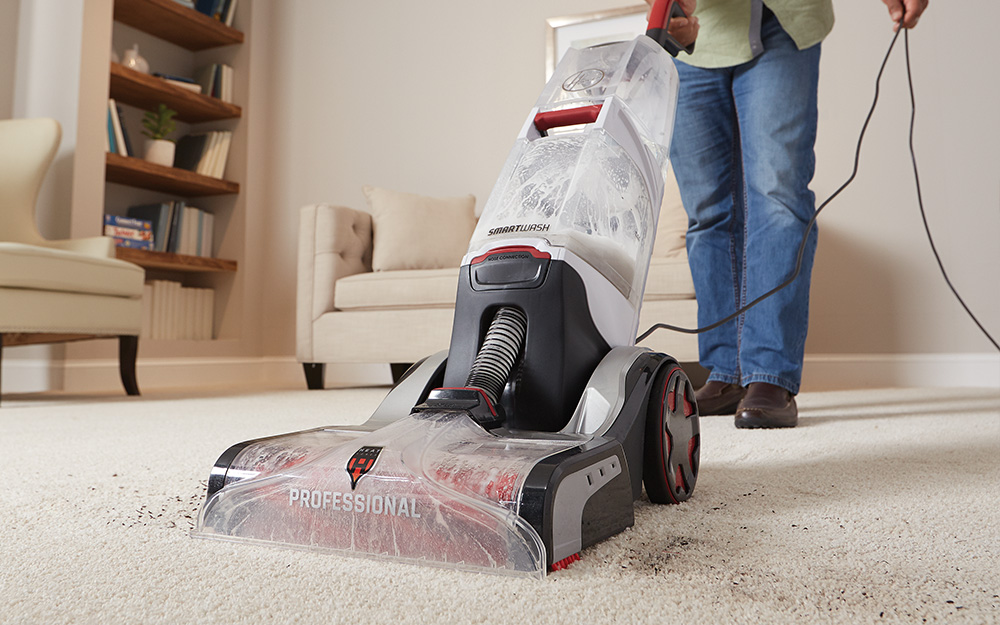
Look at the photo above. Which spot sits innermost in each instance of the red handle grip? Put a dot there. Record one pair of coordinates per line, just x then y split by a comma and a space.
567, 117
659, 19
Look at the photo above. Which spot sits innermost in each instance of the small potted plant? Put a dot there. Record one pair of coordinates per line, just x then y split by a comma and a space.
158, 124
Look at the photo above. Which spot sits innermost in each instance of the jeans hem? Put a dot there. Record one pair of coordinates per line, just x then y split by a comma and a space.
789, 385
725, 378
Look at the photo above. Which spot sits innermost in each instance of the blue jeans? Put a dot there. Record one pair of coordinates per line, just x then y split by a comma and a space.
742, 152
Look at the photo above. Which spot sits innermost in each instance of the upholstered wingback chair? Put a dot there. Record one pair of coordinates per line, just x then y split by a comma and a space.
58, 290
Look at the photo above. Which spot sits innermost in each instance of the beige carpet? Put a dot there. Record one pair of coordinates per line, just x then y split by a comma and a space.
883, 506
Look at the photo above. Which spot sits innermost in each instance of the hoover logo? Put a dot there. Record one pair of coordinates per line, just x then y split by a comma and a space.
584, 79
362, 462
518, 228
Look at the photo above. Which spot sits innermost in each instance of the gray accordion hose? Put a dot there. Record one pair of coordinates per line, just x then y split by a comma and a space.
499, 352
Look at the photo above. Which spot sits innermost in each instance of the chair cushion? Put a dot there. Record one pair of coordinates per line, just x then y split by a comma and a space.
415, 288
45, 269
673, 223
416, 232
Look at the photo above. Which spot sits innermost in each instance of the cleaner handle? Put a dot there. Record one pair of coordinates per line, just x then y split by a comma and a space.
659, 18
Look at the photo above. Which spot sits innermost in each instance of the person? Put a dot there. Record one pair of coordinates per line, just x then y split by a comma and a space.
742, 153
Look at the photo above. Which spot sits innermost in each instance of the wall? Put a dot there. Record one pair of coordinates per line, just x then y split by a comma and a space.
47, 85
8, 53
427, 97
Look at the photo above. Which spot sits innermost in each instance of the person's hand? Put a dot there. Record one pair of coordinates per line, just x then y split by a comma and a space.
683, 29
911, 9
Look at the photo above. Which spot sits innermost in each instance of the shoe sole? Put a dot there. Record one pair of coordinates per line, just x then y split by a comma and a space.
761, 422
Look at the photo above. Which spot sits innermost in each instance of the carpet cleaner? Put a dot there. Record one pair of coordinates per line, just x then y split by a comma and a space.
532, 436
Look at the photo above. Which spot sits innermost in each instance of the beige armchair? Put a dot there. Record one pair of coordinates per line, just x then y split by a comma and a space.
58, 290
348, 313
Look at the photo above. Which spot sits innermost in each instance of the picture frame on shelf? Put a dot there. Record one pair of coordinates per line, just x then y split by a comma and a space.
589, 29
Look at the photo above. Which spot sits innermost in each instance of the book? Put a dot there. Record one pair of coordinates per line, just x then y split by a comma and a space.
128, 233
227, 139
205, 77
174, 77
204, 164
176, 225
121, 122
189, 236
116, 124
188, 86
172, 311
189, 151
211, 8
230, 12
158, 215
112, 142
227, 84
128, 222
217, 81
133, 244
109, 136
208, 235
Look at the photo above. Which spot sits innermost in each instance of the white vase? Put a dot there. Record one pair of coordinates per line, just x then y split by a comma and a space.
133, 60
160, 151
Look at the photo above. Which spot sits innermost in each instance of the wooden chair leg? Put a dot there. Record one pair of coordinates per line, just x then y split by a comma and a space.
315, 375
128, 349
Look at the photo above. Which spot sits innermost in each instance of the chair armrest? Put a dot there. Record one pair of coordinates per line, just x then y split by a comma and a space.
334, 242
101, 247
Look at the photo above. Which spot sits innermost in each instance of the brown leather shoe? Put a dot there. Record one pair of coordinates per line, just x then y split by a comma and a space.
767, 406
719, 398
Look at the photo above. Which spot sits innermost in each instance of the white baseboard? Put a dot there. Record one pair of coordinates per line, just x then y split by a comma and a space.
849, 371
822, 372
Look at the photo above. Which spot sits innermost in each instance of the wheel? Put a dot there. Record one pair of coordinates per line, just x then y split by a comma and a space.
672, 445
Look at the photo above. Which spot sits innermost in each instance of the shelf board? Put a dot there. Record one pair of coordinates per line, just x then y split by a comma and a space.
175, 23
174, 262
136, 172
147, 92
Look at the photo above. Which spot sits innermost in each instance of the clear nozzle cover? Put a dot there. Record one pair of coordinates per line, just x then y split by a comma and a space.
441, 491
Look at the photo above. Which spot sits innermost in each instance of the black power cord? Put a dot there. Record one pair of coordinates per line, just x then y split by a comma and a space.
920, 201
812, 221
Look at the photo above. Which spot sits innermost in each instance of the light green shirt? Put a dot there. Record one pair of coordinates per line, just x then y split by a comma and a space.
729, 31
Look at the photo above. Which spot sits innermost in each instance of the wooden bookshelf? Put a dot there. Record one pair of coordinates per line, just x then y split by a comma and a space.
175, 262
147, 92
136, 172
175, 23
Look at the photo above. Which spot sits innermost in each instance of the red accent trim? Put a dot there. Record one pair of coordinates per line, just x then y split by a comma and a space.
665, 459
691, 444
672, 401
680, 479
548, 120
565, 562
486, 398
658, 14
508, 250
